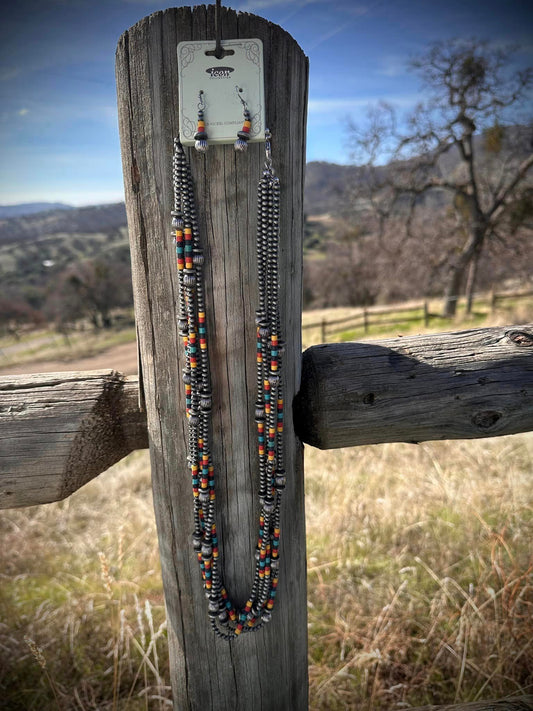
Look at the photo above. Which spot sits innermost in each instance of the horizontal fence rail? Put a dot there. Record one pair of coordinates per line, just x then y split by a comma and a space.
59, 430
370, 316
463, 385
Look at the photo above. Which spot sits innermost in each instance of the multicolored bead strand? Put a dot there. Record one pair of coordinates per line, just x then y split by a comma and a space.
228, 620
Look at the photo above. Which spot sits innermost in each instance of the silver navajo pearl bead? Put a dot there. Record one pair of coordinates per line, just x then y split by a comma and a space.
194, 418
273, 379
205, 401
198, 257
189, 277
280, 480
207, 550
264, 330
269, 504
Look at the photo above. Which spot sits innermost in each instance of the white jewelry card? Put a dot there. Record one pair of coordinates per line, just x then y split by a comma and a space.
225, 83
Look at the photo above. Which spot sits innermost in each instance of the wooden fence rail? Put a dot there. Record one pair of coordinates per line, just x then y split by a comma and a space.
495, 298
468, 384
366, 317
58, 431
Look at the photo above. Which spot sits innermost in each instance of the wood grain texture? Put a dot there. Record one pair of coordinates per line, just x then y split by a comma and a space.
514, 703
267, 669
463, 385
60, 430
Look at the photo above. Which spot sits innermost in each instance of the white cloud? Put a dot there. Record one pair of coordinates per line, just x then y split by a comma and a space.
23, 112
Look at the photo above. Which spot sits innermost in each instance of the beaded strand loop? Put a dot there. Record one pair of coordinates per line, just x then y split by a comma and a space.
227, 620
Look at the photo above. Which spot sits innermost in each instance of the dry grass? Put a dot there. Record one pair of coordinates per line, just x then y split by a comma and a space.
421, 591
420, 583
80, 590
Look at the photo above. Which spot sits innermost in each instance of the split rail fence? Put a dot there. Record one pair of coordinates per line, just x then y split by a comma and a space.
59, 430
418, 312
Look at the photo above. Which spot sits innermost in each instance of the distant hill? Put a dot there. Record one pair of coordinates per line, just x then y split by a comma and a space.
30, 208
31, 227
327, 186
36, 248
332, 188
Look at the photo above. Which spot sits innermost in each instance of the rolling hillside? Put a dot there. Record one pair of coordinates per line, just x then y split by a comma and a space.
36, 248
86, 220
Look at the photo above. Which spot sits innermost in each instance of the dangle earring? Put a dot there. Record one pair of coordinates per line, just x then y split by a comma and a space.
241, 144
200, 137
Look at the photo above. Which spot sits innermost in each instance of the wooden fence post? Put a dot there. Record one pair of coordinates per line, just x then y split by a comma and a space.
266, 669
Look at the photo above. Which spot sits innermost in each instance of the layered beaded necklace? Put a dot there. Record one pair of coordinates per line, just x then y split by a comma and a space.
227, 619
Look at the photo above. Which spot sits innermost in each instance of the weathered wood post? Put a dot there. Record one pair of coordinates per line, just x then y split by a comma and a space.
266, 669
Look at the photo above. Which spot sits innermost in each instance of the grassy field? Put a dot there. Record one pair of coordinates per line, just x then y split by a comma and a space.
420, 583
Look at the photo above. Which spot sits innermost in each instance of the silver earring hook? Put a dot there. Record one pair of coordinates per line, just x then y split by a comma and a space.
268, 150
201, 104
239, 91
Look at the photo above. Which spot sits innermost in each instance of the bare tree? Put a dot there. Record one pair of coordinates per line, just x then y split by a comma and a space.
466, 146
90, 288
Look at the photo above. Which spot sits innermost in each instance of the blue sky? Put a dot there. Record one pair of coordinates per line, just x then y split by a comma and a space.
58, 119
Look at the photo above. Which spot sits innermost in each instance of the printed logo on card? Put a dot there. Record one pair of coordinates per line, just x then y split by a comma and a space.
219, 72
